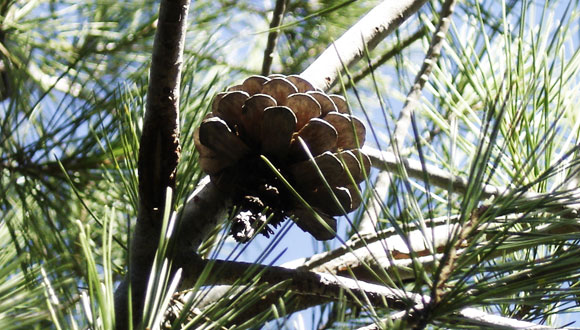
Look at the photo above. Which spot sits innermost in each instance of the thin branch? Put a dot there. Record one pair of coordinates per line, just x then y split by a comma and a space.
403, 122
319, 260
422, 76
158, 154
385, 253
389, 256
277, 17
349, 48
388, 161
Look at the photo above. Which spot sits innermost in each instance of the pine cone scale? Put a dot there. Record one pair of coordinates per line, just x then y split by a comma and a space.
350, 130
279, 89
326, 103
306, 172
218, 137
253, 114
229, 108
305, 107
318, 135
278, 126
324, 200
309, 222
253, 85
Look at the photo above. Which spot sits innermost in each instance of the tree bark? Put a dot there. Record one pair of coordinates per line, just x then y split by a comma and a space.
158, 156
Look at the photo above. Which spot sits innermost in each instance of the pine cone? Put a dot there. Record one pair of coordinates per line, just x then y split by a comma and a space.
270, 117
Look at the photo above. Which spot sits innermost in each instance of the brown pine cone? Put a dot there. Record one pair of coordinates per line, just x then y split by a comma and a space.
276, 117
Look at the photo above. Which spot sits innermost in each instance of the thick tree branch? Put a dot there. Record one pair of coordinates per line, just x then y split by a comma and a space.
397, 49
277, 17
314, 283
203, 211
349, 48
158, 154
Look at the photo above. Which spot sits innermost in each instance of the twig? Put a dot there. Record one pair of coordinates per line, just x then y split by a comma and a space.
405, 115
158, 154
322, 260
433, 53
349, 48
388, 161
277, 17
391, 255
387, 253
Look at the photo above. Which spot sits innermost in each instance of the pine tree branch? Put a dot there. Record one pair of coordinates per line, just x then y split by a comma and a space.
390, 256
388, 161
315, 288
330, 288
385, 253
321, 260
277, 17
349, 48
312, 283
476, 317
158, 154
431, 58
203, 211
401, 129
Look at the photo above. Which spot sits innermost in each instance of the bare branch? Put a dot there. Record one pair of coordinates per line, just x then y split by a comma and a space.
349, 48
277, 17
385, 253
